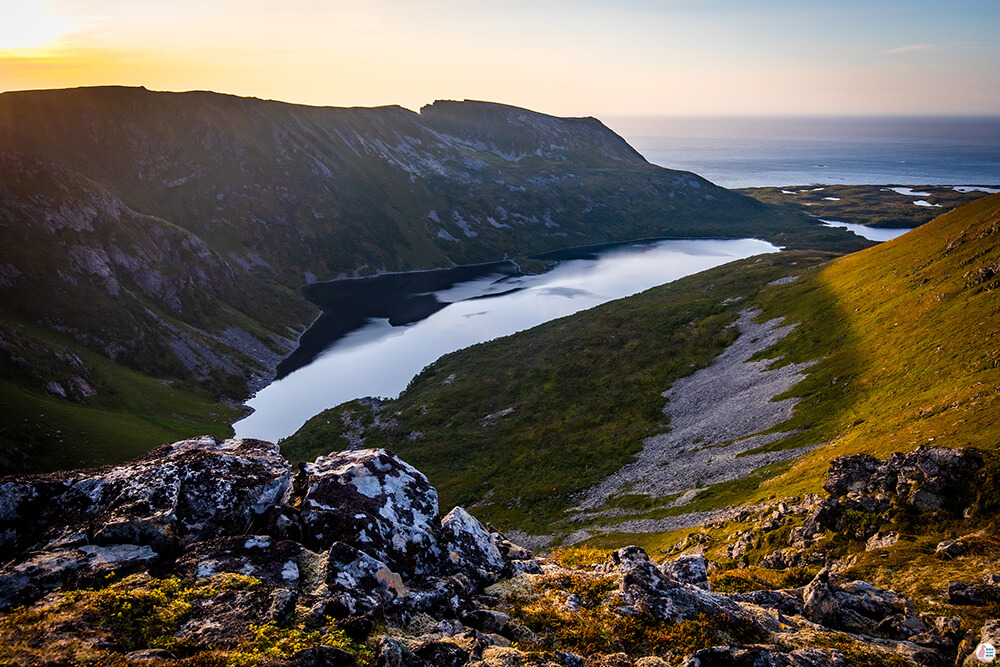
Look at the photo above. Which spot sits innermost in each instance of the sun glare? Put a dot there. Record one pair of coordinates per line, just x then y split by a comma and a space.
26, 25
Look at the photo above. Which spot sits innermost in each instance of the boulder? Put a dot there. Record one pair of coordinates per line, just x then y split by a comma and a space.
470, 547
782, 559
180, 493
689, 569
949, 549
972, 594
646, 589
373, 501
818, 601
882, 540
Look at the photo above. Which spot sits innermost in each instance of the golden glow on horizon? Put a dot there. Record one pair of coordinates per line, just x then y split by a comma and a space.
24, 25
600, 59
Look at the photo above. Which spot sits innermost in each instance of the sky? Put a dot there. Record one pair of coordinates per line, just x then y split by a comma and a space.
564, 57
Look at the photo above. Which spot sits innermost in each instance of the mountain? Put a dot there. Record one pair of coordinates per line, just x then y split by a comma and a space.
169, 233
729, 386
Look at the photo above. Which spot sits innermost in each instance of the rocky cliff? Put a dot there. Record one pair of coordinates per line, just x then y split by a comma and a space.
209, 552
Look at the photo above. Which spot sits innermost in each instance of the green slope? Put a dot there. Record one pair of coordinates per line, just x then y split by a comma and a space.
905, 334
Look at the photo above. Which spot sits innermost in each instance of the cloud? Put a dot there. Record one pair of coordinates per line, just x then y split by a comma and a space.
910, 48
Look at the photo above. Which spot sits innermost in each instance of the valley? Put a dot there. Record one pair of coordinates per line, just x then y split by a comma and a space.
786, 459
170, 233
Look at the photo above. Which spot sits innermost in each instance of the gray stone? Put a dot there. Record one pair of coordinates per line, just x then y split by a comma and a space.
949, 549
688, 569
470, 546
881, 540
374, 502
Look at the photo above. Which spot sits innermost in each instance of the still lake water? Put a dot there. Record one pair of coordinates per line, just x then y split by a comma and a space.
380, 359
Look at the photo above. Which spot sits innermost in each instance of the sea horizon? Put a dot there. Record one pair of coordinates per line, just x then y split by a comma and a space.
737, 151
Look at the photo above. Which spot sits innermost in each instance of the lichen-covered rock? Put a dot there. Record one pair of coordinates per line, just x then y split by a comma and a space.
179, 493
374, 502
356, 583
274, 563
689, 569
646, 589
469, 546
45, 571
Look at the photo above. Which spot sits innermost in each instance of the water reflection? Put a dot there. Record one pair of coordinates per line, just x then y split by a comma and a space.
379, 359
879, 234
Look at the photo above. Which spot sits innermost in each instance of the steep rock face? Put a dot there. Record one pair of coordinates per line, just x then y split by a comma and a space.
518, 134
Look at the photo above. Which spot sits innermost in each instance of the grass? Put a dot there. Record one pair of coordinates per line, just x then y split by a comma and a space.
585, 391
598, 626
130, 414
98, 626
907, 343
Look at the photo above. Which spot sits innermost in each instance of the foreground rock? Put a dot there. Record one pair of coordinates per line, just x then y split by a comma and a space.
352, 532
205, 546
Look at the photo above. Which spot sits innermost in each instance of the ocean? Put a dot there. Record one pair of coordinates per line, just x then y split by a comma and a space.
737, 152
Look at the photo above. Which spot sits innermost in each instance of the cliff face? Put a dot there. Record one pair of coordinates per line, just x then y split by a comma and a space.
301, 193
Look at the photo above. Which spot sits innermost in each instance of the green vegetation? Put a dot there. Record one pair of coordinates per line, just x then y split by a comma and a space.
128, 413
143, 612
597, 627
530, 419
904, 333
871, 205
170, 232
907, 338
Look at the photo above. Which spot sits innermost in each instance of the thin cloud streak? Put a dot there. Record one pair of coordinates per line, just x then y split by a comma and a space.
909, 49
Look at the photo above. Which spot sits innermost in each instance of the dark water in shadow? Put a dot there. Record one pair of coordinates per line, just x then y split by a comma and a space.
380, 332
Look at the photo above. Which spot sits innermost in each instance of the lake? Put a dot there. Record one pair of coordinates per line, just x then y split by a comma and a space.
438, 312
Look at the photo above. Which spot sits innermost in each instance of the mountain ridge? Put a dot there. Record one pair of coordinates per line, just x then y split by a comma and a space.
273, 196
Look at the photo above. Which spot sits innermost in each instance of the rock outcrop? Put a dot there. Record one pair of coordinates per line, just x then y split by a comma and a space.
862, 488
354, 542
353, 532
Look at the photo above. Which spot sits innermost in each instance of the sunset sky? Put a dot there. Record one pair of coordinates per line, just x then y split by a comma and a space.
565, 57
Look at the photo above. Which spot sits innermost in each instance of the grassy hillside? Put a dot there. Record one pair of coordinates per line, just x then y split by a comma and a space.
905, 335
528, 420
908, 334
